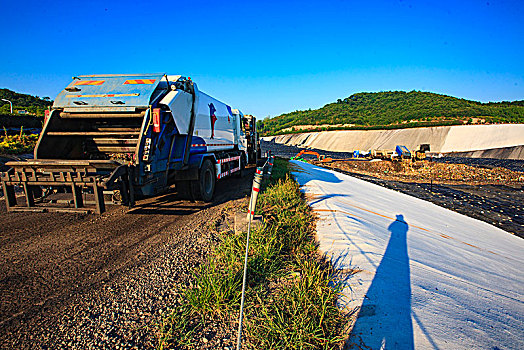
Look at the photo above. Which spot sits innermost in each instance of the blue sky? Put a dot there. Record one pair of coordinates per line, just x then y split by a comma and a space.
271, 57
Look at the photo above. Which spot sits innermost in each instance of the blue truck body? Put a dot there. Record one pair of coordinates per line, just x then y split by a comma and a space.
403, 152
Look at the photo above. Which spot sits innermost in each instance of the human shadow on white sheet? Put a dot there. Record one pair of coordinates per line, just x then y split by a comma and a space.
384, 320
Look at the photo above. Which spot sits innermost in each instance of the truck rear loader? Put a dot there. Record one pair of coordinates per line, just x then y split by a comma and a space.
122, 137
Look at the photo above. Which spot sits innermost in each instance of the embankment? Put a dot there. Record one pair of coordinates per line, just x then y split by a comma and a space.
503, 141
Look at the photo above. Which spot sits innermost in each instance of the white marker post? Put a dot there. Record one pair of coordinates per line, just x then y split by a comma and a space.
254, 194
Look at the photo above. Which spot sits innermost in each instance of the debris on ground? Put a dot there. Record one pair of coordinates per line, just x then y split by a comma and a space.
424, 171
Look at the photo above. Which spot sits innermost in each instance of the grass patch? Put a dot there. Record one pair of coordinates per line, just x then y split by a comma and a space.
290, 295
300, 314
17, 144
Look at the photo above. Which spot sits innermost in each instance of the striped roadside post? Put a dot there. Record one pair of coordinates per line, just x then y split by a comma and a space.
270, 162
254, 194
268, 165
257, 180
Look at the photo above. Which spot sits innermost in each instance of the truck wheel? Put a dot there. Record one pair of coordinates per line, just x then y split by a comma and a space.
204, 187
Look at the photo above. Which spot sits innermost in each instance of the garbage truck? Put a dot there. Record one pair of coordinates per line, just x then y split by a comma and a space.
120, 137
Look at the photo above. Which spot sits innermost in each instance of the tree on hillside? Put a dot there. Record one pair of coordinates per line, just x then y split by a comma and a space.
31, 104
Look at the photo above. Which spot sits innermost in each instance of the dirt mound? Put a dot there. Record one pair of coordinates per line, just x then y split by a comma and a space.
426, 171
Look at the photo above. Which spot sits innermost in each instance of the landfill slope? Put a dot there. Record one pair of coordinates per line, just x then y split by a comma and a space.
466, 138
516, 152
447, 139
416, 275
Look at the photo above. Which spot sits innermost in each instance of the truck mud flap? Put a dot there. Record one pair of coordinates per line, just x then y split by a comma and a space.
84, 181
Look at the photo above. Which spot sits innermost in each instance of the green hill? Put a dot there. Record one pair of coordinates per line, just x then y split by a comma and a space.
22, 102
394, 109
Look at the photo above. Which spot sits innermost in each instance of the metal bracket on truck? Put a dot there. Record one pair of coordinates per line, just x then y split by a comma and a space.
35, 177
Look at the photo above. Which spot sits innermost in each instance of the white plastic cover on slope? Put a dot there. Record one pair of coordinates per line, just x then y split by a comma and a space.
459, 138
422, 277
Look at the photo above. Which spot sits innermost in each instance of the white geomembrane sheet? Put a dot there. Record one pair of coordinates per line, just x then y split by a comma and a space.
420, 276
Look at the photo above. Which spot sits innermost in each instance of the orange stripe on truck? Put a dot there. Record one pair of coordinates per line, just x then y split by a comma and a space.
140, 81
89, 82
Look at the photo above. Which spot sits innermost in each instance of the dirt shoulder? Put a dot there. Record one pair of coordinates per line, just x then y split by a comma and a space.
88, 281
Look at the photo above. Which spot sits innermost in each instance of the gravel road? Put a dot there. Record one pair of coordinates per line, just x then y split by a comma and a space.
71, 281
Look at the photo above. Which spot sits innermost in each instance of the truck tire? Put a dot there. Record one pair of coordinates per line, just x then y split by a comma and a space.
204, 188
